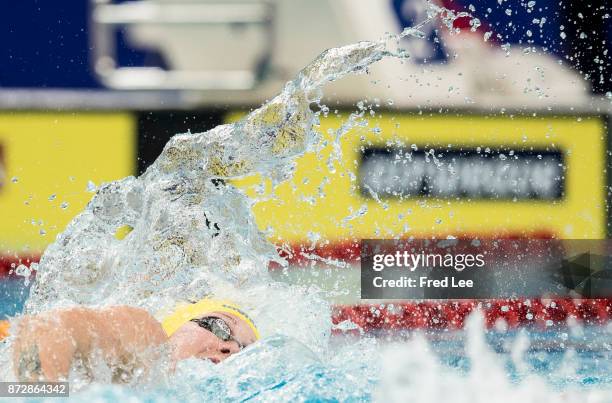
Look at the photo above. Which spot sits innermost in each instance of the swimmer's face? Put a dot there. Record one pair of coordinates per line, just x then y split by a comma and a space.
191, 340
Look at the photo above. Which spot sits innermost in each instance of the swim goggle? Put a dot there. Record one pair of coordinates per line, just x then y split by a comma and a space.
218, 327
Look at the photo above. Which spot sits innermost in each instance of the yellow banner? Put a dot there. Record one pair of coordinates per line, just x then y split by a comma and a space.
46, 162
330, 205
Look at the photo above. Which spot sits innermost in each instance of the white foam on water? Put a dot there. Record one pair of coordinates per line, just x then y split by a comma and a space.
411, 373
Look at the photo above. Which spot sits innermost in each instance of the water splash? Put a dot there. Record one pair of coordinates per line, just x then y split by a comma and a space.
192, 234
190, 230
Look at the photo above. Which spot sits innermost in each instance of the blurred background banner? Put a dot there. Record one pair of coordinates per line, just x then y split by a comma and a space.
240, 51
500, 126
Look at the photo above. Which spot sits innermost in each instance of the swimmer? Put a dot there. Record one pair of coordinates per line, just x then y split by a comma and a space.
48, 345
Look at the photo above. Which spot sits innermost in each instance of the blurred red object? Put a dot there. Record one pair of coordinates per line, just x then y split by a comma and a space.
541, 313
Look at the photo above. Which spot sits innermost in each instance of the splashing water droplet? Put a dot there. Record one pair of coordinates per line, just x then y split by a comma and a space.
474, 24
91, 187
25, 272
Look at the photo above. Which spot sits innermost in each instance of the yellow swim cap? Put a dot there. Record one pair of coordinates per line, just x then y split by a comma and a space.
185, 312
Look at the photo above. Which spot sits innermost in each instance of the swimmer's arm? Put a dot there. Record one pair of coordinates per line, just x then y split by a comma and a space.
46, 344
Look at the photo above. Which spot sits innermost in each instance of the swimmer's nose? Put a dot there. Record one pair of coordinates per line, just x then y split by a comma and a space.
228, 347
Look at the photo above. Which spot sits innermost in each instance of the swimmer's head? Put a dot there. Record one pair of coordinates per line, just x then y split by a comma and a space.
194, 329
186, 312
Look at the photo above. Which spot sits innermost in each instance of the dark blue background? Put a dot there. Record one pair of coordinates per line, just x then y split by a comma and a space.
46, 44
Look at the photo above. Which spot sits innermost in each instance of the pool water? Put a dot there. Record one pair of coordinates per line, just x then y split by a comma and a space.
282, 369
13, 293
557, 364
